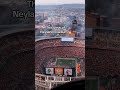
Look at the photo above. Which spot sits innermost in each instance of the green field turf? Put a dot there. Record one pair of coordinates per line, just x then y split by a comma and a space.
71, 62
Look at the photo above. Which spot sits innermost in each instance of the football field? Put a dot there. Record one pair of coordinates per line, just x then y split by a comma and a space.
70, 62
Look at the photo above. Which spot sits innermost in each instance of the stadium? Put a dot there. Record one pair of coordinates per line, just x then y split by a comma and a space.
66, 55
102, 59
16, 55
102, 43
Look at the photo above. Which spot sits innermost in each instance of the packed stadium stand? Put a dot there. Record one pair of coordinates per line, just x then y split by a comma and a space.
103, 42
102, 57
16, 55
47, 50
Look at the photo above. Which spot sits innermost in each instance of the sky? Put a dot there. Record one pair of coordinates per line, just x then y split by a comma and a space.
57, 2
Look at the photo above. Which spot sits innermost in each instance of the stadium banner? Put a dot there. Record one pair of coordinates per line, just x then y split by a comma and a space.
78, 68
58, 71
68, 72
66, 39
49, 71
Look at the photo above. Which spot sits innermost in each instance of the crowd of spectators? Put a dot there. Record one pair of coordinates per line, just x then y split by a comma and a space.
55, 48
102, 63
57, 42
16, 60
102, 56
16, 43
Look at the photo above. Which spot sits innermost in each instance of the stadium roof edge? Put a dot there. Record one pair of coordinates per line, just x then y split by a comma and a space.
56, 38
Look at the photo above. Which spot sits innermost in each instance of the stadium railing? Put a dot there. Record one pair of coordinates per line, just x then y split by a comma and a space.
48, 82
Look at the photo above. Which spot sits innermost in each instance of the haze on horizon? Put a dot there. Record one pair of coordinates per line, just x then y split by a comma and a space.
58, 2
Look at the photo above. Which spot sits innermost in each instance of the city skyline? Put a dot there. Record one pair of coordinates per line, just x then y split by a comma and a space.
58, 2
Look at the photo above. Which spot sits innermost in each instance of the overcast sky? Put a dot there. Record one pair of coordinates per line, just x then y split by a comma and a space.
55, 2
